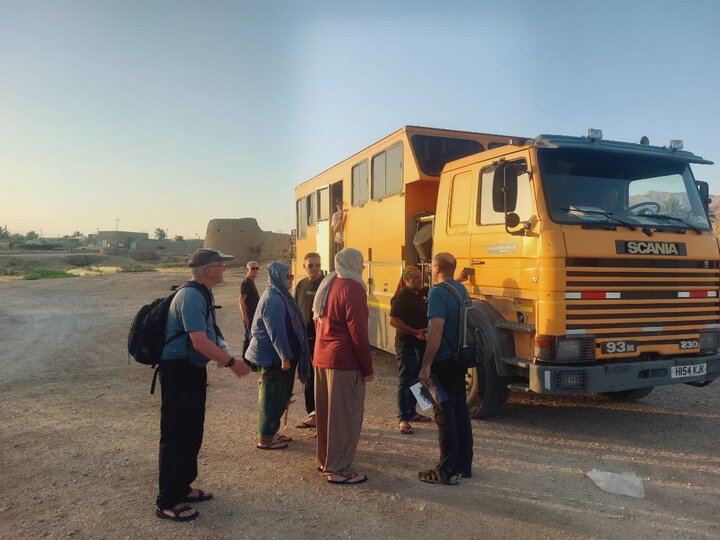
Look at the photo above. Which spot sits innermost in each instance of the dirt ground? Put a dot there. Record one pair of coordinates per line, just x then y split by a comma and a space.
79, 435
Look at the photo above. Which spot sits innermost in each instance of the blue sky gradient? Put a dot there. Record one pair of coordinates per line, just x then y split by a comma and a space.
171, 113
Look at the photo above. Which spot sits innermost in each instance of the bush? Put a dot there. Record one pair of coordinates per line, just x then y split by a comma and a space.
144, 255
84, 260
137, 268
39, 273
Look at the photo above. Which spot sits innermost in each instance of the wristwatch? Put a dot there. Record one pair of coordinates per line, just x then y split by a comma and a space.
231, 362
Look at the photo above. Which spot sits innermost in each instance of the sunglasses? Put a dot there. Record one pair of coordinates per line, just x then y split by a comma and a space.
255, 268
311, 265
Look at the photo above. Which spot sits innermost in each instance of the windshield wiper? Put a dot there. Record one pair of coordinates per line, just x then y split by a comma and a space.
609, 216
667, 217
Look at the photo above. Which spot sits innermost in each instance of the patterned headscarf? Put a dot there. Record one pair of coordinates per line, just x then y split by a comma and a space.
348, 265
277, 284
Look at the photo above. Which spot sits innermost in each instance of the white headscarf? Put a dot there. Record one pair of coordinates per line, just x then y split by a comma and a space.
348, 265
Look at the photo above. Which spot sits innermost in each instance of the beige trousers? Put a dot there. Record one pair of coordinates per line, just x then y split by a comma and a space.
339, 406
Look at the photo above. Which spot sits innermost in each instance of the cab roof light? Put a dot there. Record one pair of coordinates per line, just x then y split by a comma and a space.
675, 144
594, 134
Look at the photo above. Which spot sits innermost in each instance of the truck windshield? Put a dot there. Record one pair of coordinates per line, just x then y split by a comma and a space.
592, 187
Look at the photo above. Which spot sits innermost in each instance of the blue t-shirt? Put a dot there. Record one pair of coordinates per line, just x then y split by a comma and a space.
443, 305
187, 314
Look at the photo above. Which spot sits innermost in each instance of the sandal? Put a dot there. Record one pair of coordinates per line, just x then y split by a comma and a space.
306, 424
176, 511
347, 478
420, 418
405, 428
432, 476
282, 438
200, 497
275, 445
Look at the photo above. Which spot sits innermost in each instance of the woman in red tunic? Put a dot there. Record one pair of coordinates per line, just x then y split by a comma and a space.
343, 365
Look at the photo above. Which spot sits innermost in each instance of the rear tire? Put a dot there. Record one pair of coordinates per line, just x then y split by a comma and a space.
628, 395
485, 390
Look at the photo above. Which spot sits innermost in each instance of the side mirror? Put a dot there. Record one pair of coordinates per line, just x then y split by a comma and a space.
704, 190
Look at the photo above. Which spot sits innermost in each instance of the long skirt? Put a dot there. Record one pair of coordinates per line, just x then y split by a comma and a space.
274, 391
339, 406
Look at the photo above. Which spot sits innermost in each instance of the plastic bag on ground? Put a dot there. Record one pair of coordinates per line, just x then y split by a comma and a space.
628, 484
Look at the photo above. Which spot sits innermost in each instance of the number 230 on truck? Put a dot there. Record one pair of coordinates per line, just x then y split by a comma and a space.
592, 262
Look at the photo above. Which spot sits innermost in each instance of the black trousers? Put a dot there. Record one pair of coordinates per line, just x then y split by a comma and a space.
453, 421
182, 420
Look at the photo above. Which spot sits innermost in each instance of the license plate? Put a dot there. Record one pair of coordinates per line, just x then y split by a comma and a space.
614, 347
693, 370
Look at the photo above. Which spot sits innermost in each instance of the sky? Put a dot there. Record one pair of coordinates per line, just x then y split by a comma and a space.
141, 114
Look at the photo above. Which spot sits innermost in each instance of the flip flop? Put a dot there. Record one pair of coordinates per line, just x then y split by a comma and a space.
351, 478
276, 445
305, 424
201, 496
175, 516
282, 439
420, 418
405, 429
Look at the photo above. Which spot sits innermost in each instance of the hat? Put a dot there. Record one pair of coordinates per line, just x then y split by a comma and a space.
204, 256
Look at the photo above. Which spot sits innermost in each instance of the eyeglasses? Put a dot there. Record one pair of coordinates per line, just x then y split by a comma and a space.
253, 268
311, 265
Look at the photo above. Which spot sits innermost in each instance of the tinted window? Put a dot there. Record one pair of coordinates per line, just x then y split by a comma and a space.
387, 172
432, 153
360, 183
310, 209
301, 208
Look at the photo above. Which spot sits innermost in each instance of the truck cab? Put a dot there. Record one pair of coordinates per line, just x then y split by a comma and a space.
593, 263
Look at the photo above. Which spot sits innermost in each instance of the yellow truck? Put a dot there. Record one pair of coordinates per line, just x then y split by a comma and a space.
593, 262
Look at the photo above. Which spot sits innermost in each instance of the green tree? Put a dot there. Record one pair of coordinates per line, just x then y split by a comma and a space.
4, 232
31, 235
179, 238
673, 207
160, 234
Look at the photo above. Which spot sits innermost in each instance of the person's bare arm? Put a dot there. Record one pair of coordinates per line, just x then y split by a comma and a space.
244, 309
398, 323
434, 338
202, 344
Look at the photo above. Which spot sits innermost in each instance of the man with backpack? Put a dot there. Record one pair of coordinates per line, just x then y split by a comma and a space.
441, 366
192, 340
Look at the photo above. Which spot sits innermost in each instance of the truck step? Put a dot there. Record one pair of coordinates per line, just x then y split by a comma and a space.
519, 387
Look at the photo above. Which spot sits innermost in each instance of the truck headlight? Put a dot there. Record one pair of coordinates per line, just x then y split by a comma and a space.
709, 341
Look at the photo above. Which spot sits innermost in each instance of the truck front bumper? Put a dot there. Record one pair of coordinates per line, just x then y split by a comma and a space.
618, 376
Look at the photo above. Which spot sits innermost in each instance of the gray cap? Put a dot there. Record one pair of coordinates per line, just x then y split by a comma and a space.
204, 256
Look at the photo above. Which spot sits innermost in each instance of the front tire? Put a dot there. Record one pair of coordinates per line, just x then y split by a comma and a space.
628, 395
486, 392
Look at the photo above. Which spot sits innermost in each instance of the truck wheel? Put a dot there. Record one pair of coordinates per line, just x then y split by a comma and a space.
628, 395
485, 390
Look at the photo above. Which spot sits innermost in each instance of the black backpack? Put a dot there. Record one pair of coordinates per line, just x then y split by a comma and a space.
146, 338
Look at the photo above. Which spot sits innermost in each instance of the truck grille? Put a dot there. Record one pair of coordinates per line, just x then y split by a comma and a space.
654, 304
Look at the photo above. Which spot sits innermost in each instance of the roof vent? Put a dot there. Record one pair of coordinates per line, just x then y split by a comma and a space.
644, 140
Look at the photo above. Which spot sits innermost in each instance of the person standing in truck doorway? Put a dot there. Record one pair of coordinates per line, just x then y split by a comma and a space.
337, 223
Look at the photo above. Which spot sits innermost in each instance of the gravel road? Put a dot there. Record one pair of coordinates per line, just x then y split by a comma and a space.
79, 434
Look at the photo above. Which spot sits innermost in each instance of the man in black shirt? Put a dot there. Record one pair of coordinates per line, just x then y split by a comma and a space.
304, 296
248, 301
408, 315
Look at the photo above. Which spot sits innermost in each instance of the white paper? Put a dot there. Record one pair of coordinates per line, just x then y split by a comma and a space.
422, 396
628, 484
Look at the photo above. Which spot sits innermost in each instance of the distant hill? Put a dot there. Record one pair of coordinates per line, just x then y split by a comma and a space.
715, 205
